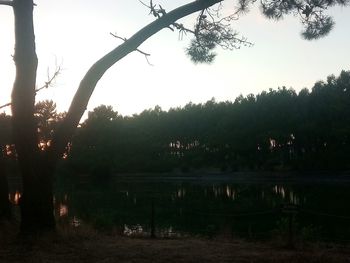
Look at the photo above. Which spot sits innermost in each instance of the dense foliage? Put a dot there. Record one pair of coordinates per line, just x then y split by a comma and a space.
275, 130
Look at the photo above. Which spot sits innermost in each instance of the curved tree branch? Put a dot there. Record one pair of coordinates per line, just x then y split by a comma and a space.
5, 105
9, 3
89, 82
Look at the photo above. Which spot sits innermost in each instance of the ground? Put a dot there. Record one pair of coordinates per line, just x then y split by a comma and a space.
92, 246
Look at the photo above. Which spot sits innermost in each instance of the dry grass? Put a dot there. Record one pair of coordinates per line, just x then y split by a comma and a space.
87, 245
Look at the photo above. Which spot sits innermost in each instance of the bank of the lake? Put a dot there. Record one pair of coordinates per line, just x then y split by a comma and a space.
246, 176
91, 246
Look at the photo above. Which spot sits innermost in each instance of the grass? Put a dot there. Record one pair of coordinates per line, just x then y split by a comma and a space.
85, 244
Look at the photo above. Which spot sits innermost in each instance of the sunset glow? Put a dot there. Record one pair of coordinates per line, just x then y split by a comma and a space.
279, 56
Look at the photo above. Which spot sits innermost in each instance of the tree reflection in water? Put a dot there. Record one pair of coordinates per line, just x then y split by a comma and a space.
185, 208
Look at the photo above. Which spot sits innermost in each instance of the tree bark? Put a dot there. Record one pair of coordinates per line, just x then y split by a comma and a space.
5, 209
36, 202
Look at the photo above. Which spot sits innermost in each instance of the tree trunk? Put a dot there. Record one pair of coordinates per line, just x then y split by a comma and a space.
5, 209
36, 202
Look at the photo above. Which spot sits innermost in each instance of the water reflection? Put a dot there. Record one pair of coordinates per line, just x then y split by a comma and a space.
181, 192
63, 210
230, 192
216, 191
209, 192
279, 190
220, 191
192, 208
287, 195
133, 230
14, 197
75, 221
139, 230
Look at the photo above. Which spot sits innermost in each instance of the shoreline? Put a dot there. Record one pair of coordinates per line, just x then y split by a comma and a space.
88, 245
191, 250
241, 177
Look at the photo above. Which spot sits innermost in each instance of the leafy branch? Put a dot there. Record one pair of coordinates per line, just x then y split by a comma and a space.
210, 31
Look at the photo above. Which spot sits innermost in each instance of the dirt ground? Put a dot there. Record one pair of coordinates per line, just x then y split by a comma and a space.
96, 247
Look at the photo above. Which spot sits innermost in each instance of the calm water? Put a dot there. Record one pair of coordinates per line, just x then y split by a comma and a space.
209, 206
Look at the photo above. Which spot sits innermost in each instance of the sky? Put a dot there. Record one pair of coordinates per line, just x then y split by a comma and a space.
74, 34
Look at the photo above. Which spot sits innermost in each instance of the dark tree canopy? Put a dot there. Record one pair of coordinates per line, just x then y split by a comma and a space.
274, 130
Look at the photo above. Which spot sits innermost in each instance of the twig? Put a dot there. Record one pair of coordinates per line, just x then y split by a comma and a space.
158, 13
49, 81
5, 105
138, 50
46, 85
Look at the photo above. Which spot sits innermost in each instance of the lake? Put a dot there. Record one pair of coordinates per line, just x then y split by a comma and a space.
234, 205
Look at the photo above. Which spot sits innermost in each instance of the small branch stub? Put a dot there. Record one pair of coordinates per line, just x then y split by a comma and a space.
138, 50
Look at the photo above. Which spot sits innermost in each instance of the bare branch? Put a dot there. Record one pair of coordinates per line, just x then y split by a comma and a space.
158, 13
9, 3
50, 80
5, 105
138, 50
47, 84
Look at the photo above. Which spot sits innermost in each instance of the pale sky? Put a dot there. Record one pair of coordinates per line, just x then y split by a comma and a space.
76, 34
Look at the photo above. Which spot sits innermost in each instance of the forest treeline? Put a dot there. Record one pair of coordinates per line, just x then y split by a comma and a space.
274, 130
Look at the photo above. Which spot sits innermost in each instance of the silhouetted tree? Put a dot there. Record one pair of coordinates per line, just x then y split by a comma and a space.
5, 211
276, 129
47, 120
5, 143
94, 146
36, 166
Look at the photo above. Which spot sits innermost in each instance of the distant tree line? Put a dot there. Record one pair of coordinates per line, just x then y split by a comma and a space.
274, 130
